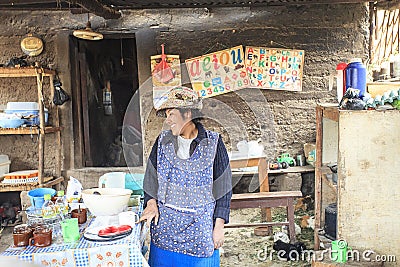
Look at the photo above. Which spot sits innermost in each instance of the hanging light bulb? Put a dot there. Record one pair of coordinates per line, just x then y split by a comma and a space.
88, 33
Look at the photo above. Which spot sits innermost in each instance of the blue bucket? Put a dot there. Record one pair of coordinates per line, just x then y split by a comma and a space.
37, 196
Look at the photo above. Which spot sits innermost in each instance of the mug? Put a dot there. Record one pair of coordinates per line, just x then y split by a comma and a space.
41, 237
70, 230
80, 215
128, 218
21, 235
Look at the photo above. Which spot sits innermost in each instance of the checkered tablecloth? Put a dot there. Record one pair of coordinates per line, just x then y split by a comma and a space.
82, 249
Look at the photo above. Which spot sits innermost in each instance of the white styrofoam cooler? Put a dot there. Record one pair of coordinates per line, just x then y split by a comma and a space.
4, 165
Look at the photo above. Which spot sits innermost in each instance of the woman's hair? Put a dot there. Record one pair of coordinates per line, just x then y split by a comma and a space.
197, 115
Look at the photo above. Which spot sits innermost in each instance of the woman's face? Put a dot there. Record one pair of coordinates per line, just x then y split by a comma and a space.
176, 121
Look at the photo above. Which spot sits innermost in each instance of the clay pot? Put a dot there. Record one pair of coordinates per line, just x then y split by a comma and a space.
82, 215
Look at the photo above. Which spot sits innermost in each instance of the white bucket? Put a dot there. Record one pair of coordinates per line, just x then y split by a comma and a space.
112, 180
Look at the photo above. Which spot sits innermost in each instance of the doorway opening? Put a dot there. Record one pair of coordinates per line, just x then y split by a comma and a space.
105, 79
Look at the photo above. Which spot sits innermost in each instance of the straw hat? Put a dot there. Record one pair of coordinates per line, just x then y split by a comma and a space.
180, 97
32, 46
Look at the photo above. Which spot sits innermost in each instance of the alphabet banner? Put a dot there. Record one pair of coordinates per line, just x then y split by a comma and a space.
274, 68
219, 72
166, 74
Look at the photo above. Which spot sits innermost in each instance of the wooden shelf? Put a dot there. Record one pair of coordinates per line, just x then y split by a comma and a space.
296, 169
48, 182
27, 130
25, 72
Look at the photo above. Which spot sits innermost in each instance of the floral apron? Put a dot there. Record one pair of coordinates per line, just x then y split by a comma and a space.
185, 200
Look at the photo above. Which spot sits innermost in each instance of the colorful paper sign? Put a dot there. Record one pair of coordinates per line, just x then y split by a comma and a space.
164, 76
219, 72
274, 68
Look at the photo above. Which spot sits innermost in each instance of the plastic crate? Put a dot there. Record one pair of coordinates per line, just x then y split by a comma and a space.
22, 174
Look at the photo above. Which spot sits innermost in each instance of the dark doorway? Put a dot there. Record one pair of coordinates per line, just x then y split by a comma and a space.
106, 78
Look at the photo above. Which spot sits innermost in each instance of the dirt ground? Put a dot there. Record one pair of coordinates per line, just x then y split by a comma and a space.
242, 248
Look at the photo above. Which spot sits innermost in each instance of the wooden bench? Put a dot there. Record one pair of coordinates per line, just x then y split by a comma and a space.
267, 200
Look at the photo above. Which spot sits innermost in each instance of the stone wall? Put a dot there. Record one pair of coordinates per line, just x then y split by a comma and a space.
283, 120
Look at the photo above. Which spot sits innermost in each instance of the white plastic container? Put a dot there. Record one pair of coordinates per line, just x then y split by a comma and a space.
112, 180
22, 106
4, 165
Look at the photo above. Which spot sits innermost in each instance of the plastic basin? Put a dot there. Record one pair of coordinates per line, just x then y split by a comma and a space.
111, 201
11, 123
37, 196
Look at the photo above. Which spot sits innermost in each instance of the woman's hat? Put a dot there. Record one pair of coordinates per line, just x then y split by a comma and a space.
180, 97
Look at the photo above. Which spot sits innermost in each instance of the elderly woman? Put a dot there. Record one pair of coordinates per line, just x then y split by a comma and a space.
187, 187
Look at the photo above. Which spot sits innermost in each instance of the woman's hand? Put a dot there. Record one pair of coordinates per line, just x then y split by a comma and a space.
150, 212
218, 233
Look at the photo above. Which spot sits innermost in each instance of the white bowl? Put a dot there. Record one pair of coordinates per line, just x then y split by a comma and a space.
111, 201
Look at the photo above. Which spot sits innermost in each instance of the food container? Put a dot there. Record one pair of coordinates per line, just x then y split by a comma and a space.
11, 123
27, 109
106, 201
37, 196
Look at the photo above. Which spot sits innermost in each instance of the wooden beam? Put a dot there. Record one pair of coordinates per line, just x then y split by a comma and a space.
97, 8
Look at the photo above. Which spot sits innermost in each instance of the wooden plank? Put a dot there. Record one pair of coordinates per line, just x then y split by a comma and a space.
331, 113
24, 72
296, 169
39, 80
239, 225
48, 182
261, 203
28, 130
242, 163
318, 183
266, 195
379, 88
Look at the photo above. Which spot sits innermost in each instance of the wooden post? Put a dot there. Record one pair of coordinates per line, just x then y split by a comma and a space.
41, 131
318, 184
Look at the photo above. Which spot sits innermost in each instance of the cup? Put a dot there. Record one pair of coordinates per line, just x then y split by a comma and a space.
41, 237
21, 235
70, 230
128, 218
80, 214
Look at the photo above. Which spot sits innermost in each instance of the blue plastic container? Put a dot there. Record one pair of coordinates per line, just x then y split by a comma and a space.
37, 196
134, 182
356, 76
35, 120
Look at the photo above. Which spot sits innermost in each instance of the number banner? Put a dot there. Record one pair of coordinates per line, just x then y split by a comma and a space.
275, 68
164, 78
218, 73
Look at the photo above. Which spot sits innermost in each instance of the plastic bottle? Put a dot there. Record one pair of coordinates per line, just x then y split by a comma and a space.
48, 208
61, 203
340, 80
356, 76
